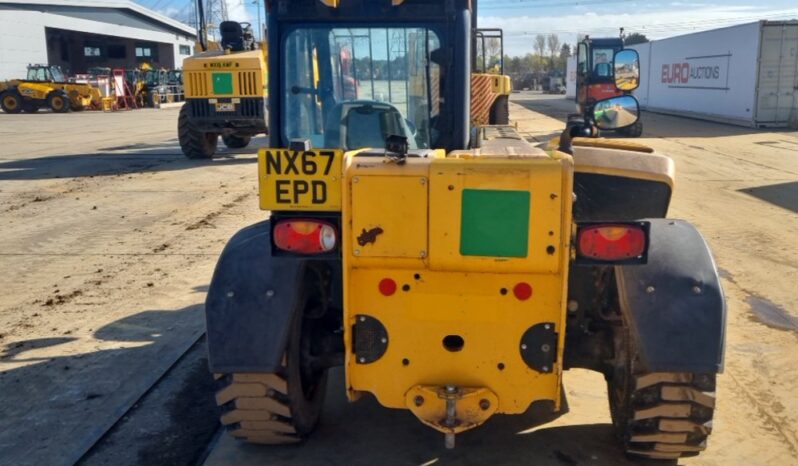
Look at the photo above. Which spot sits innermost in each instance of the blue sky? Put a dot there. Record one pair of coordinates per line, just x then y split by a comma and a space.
523, 19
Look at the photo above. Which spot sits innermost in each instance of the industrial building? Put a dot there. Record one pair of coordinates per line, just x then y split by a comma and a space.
82, 34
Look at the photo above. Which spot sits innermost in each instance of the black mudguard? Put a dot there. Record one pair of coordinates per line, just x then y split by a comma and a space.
251, 300
674, 304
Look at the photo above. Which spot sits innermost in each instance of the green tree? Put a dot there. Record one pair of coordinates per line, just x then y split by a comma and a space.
562, 61
553, 42
635, 38
540, 45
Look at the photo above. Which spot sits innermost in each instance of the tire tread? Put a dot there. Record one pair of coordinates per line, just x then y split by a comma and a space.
670, 415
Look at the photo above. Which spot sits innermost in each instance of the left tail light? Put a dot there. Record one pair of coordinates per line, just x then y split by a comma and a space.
304, 236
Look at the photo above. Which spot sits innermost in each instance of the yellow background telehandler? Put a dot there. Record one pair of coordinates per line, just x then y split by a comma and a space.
47, 87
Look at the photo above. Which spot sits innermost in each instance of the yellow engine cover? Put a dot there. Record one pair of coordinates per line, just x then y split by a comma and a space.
218, 74
460, 240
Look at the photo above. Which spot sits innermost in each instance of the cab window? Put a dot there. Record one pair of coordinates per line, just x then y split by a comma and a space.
352, 87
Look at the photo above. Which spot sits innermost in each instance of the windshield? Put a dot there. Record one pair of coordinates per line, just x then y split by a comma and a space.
351, 88
42, 73
58, 74
602, 62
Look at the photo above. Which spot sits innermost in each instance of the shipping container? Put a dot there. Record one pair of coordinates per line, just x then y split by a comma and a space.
745, 74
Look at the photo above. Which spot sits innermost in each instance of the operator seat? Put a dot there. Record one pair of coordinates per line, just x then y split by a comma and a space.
359, 124
603, 70
236, 36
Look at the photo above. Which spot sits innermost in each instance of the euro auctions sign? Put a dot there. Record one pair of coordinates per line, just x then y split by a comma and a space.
706, 72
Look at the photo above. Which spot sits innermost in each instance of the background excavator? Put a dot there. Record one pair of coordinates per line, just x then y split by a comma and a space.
595, 79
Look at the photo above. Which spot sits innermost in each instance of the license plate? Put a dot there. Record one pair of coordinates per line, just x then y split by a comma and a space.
226, 107
300, 180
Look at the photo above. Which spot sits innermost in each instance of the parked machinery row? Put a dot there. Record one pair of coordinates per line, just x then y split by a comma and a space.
48, 86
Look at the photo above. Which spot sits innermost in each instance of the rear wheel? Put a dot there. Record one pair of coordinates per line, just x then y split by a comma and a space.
233, 141
153, 100
280, 407
500, 111
11, 101
661, 415
194, 144
58, 102
74, 101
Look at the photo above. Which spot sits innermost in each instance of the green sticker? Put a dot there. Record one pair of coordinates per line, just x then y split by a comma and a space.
494, 223
222, 83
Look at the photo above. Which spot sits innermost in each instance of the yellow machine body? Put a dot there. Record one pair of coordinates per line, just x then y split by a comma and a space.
454, 318
216, 74
80, 95
485, 88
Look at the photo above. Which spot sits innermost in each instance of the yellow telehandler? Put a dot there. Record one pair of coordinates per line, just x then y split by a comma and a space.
452, 269
46, 86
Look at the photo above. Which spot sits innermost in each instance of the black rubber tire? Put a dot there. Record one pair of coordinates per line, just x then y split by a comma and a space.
153, 100
500, 111
661, 416
74, 98
634, 131
11, 101
194, 144
233, 141
275, 408
58, 101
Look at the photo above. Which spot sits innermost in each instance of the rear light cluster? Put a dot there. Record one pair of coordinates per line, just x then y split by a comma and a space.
304, 236
612, 243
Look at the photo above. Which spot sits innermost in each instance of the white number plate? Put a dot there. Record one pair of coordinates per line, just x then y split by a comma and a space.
226, 107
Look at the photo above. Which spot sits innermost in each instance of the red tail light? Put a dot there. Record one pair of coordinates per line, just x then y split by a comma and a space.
613, 242
305, 236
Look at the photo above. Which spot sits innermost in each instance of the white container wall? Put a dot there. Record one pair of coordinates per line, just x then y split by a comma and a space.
729, 74
777, 100
570, 77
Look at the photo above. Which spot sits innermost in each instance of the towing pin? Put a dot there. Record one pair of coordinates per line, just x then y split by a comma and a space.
449, 441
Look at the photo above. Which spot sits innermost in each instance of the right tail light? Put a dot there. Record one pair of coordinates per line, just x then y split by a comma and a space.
305, 236
612, 243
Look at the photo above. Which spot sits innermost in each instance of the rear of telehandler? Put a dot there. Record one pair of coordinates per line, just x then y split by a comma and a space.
453, 273
225, 92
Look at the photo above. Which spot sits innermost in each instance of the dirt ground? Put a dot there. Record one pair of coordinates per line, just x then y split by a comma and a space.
109, 240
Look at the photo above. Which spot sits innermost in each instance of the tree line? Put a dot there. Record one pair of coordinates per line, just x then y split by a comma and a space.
550, 56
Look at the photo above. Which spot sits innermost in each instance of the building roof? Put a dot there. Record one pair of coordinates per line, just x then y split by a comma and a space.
98, 5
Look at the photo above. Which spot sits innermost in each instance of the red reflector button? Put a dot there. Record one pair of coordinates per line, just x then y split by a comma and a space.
522, 291
387, 287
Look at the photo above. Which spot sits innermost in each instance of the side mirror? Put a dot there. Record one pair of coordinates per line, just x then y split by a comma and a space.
616, 112
627, 70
